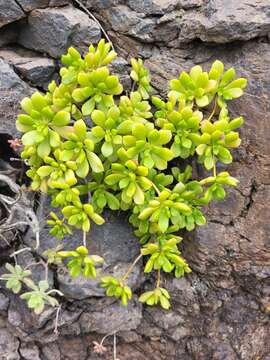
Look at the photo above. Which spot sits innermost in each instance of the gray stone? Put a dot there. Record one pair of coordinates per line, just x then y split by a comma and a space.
152, 7
30, 327
38, 71
9, 345
228, 210
188, 4
208, 21
122, 18
9, 12
35, 69
51, 352
12, 91
53, 30
112, 318
81, 288
167, 27
29, 352
120, 66
77, 288
127, 21
4, 301
114, 241
110, 240
238, 20
100, 4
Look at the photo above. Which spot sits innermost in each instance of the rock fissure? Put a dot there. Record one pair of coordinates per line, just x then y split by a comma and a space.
18, 3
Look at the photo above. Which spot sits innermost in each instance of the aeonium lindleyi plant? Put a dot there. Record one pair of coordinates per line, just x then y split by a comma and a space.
92, 147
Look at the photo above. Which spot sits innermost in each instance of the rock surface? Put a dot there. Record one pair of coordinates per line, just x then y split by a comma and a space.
238, 20
37, 70
117, 258
9, 344
12, 91
53, 30
221, 310
29, 5
10, 11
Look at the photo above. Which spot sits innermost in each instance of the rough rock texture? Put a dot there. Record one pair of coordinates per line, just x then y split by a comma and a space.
118, 257
221, 310
238, 20
9, 12
12, 90
29, 5
33, 68
53, 30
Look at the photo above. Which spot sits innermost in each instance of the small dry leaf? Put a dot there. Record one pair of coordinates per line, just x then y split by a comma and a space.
15, 144
99, 348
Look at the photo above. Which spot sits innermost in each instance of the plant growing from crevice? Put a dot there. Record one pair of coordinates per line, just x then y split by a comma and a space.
37, 296
92, 148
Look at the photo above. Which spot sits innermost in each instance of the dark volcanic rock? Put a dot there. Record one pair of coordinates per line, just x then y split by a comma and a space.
152, 7
29, 352
9, 344
33, 68
114, 241
29, 5
113, 318
12, 91
238, 20
53, 30
9, 12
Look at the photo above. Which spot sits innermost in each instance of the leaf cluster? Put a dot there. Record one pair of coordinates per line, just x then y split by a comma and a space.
81, 262
92, 147
116, 288
38, 296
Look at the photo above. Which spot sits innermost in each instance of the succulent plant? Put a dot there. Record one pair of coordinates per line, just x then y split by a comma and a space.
92, 147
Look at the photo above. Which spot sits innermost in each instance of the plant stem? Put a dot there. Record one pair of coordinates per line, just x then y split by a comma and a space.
158, 278
133, 86
55, 291
114, 346
214, 169
57, 320
96, 20
213, 111
156, 188
46, 269
84, 238
130, 268
37, 241
105, 337
20, 251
